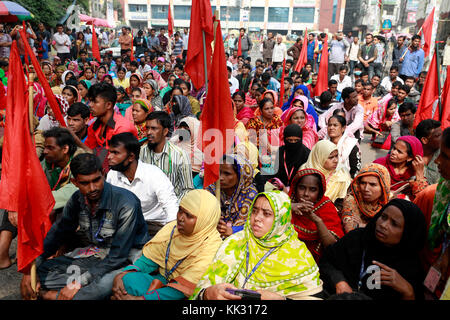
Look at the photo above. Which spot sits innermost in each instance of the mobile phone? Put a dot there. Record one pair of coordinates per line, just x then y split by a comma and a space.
245, 294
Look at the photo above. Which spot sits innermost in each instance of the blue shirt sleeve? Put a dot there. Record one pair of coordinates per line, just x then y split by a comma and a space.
237, 228
421, 56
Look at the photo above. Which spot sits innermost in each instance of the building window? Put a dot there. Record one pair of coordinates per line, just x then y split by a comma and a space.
257, 14
234, 12
303, 15
137, 7
278, 14
182, 12
333, 18
159, 11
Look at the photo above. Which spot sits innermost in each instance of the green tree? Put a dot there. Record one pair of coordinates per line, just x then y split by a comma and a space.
50, 11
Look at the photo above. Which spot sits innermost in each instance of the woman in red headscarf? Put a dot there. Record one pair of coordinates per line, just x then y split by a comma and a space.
404, 162
314, 217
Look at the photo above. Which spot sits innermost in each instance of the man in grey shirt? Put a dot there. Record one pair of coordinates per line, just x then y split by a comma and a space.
404, 127
338, 53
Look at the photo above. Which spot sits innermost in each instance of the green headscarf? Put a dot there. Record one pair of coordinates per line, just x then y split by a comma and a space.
3, 78
290, 270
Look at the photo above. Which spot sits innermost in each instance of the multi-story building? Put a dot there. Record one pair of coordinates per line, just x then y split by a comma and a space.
278, 16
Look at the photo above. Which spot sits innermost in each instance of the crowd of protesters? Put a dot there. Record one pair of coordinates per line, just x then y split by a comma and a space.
299, 216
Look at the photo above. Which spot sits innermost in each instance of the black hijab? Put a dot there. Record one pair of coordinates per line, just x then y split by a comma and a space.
343, 260
292, 155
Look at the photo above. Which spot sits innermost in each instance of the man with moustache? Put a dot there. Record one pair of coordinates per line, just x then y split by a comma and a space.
104, 227
158, 200
159, 151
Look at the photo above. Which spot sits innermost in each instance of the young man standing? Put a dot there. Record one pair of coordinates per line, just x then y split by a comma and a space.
125, 41
154, 189
163, 41
62, 43
338, 54
412, 62
246, 43
367, 55
268, 46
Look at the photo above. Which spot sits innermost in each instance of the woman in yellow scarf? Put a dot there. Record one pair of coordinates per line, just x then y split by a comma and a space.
175, 259
324, 157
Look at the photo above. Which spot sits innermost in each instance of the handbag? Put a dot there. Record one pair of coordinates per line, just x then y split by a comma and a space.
382, 141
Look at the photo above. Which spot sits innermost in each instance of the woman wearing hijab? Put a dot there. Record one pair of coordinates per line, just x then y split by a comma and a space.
369, 192
348, 146
121, 80
243, 113
390, 243
152, 74
135, 82
186, 137
273, 96
180, 108
380, 123
179, 254
236, 193
140, 110
123, 102
324, 157
266, 257
315, 217
298, 115
403, 162
66, 76
83, 89
302, 90
49, 121
151, 90
108, 79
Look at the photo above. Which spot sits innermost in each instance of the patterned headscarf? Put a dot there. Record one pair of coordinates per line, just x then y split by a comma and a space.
236, 208
440, 217
382, 174
289, 270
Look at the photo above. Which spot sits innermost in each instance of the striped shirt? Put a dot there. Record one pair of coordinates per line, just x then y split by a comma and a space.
175, 163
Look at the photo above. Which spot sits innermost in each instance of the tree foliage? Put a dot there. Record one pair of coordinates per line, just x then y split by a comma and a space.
50, 11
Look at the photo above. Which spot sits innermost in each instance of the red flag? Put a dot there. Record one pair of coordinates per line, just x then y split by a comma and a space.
427, 30
217, 116
132, 46
95, 49
280, 104
239, 46
303, 57
322, 76
43, 81
430, 94
170, 22
23, 185
445, 102
201, 22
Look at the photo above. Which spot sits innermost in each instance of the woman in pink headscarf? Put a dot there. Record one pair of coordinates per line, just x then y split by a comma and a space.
272, 95
297, 115
404, 162
152, 74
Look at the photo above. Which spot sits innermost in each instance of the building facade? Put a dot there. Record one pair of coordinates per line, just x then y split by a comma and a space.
261, 16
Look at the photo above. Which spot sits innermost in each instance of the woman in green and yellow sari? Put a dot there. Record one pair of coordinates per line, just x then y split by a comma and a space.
266, 257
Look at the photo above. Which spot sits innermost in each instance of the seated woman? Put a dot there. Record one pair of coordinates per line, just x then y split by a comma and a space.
108, 79
315, 217
380, 122
236, 193
176, 258
250, 96
243, 113
302, 90
135, 82
369, 192
121, 80
272, 95
266, 257
390, 243
324, 157
141, 109
267, 121
123, 101
71, 94
151, 91
297, 115
403, 162
136, 94
83, 88
348, 146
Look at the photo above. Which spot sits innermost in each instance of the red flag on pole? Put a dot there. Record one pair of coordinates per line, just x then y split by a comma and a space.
322, 77
201, 22
427, 30
445, 102
23, 185
95, 49
43, 81
280, 100
217, 115
132, 46
239, 53
303, 57
170, 23
430, 93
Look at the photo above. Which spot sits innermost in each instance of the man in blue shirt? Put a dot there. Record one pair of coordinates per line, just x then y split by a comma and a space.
104, 229
311, 47
412, 62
